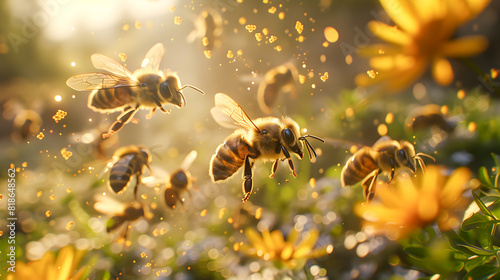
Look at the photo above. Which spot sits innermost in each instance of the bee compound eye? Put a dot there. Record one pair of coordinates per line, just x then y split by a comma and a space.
165, 90
264, 131
402, 155
288, 136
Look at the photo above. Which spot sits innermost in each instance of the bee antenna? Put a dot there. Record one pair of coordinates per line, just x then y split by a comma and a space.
154, 153
193, 87
418, 157
312, 136
309, 147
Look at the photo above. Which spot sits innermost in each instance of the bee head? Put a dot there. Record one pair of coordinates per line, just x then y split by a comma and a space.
170, 90
145, 154
405, 156
290, 137
180, 179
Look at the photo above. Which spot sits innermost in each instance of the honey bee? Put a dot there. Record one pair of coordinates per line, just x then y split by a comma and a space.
385, 156
180, 181
27, 123
423, 117
267, 139
120, 89
129, 161
277, 80
208, 28
122, 215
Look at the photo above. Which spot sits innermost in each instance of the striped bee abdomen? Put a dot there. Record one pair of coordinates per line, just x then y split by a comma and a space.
358, 167
111, 98
121, 172
229, 157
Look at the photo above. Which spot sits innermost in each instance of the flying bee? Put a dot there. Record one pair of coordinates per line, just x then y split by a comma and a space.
385, 156
122, 215
129, 161
267, 139
123, 90
208, 29
430, 115
27, 123
277, 80
180, 181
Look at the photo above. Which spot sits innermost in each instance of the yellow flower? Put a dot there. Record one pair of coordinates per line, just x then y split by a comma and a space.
50, 268
422, 37
412, 203
292, 252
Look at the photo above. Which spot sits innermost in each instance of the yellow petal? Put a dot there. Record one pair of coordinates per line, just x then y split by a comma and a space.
268, 241
287, 251
64, 263
278, 240
455, 186
402, 13
255, 238
389, 33
307, 243
442, 71
465, 46
428, 208
477, 6
430, 10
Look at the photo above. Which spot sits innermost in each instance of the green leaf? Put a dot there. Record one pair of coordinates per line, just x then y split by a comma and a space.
478, 250
477, 220
474, 261
484, 177
417, 251
483, 207
485, 271
456, 242
495, 159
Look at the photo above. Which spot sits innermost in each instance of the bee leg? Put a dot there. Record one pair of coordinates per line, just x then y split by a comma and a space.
122, 119
151, 113
158, 103
391, 176
369, 185
275, 167
290, 162
248, 183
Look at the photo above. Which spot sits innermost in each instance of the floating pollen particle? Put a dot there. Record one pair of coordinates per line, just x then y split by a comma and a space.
299, 27
222, 212
250, 27
372, 73
258, 213
208, 54
272, 39
40, 135
204, 41
48, 213
272, 10
123, 56
177, 20
302, 79
258, 36
229, 54
138, 24
59, 115
203, 212
125, 27
324, 77
69, 225
66, 154
331, 34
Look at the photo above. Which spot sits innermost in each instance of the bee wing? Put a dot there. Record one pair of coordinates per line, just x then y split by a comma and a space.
91, 81
189, 159
103, 62
232, 115
108, 205
153, 58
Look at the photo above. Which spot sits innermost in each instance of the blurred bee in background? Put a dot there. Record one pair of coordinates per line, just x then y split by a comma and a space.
431, 115
128, 161
268, 139
122, 215
123, 90
385, 156
180, 182
26, 122
208, 29
278, 80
